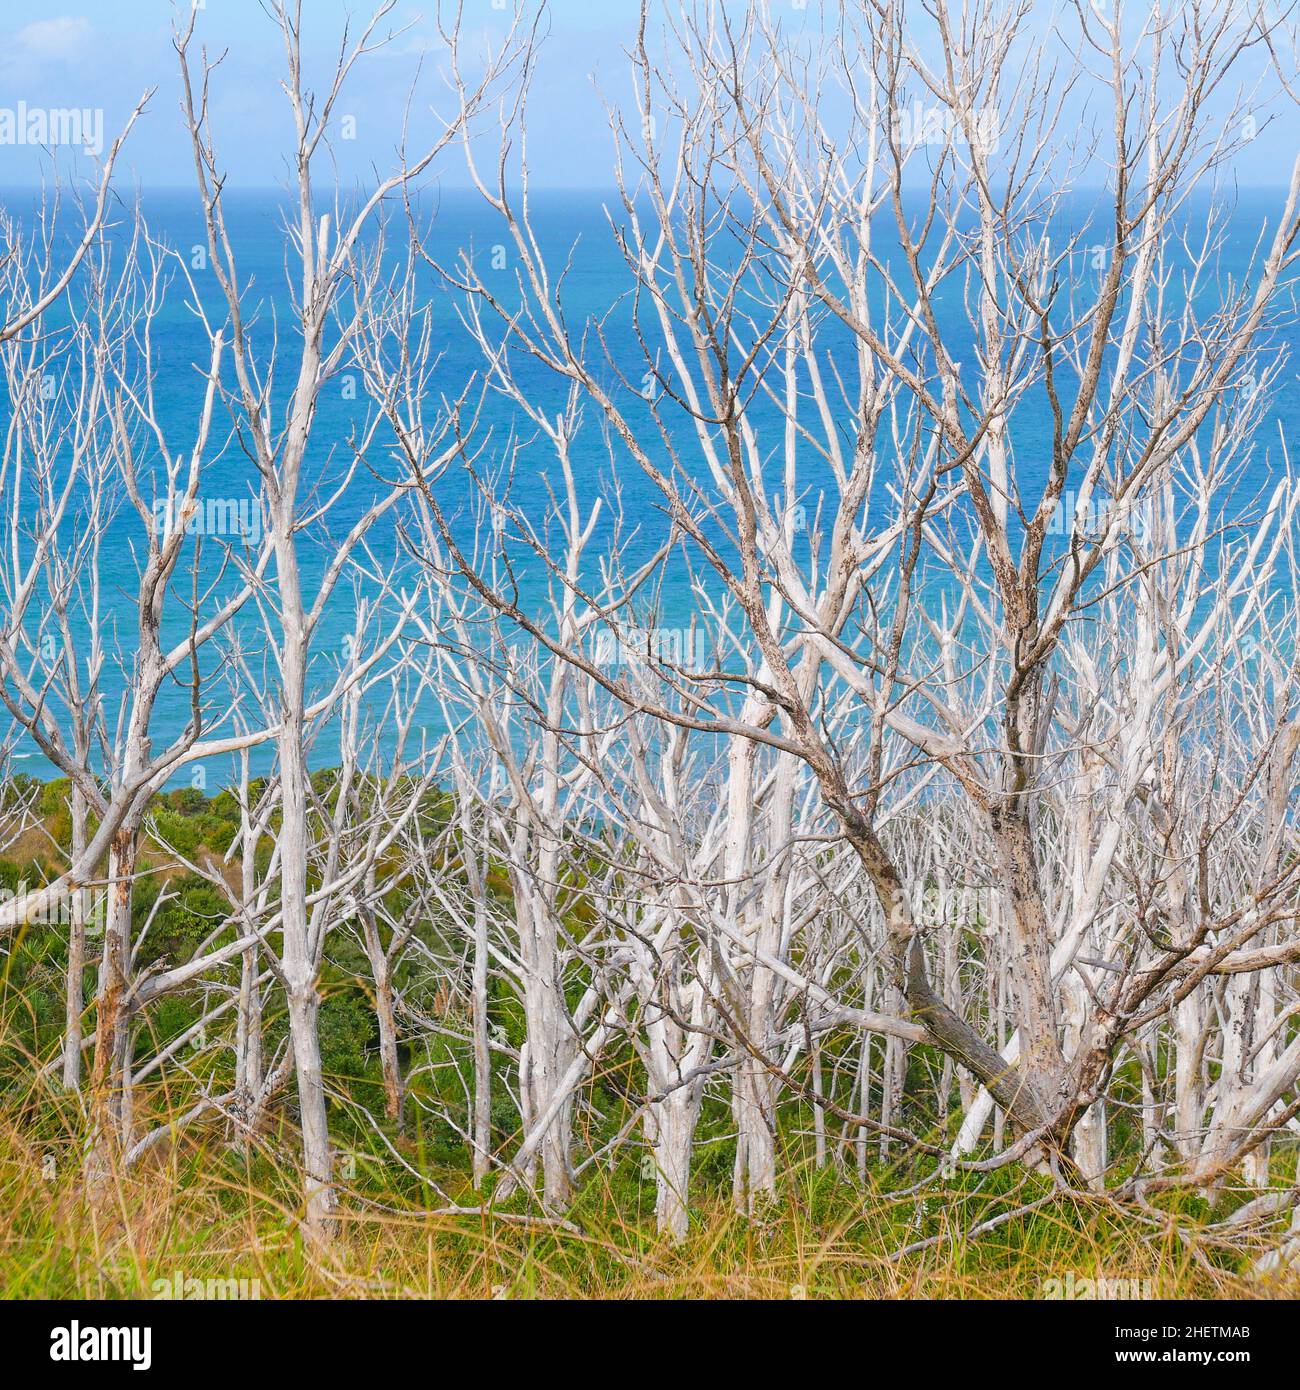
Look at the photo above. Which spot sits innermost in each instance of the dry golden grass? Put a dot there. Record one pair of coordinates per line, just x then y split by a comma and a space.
213, 1213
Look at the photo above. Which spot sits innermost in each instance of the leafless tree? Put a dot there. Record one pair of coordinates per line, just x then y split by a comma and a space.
758, 227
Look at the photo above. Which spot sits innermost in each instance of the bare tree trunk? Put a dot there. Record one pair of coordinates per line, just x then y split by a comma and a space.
864, 1101
1189, 1105
670, 1131
1041, 1063
753, 1104
390, 1061
754, 1087
548, 1057
109, 1077
1145, 1052
1255, 1166
1088, 1143
819, 1110
248, 1032
893, 1075
74, 998
381, 975
318, 1190
482, 1123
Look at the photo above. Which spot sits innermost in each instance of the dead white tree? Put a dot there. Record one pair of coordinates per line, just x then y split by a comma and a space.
751, 222
340, 278
89, 456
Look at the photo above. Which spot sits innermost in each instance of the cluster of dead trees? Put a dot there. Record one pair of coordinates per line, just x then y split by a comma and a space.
859, 656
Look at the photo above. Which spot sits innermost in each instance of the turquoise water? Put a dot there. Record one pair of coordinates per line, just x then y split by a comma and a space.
595, 285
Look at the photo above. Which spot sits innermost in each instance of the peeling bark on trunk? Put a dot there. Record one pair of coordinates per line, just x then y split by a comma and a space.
389, 1058
1041, 1063
381, 974
109, 1078
248, 1034
893, 1076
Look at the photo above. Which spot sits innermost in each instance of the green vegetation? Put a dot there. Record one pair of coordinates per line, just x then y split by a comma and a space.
211, 1202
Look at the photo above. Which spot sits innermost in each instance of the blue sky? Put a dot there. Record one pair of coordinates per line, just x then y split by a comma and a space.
107, 53
103, 54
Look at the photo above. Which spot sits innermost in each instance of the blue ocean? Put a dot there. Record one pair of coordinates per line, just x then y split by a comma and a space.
574, 231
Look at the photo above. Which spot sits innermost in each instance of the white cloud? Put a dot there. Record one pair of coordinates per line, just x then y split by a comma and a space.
64, 37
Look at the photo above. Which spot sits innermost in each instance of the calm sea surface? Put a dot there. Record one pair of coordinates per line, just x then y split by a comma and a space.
596, 285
